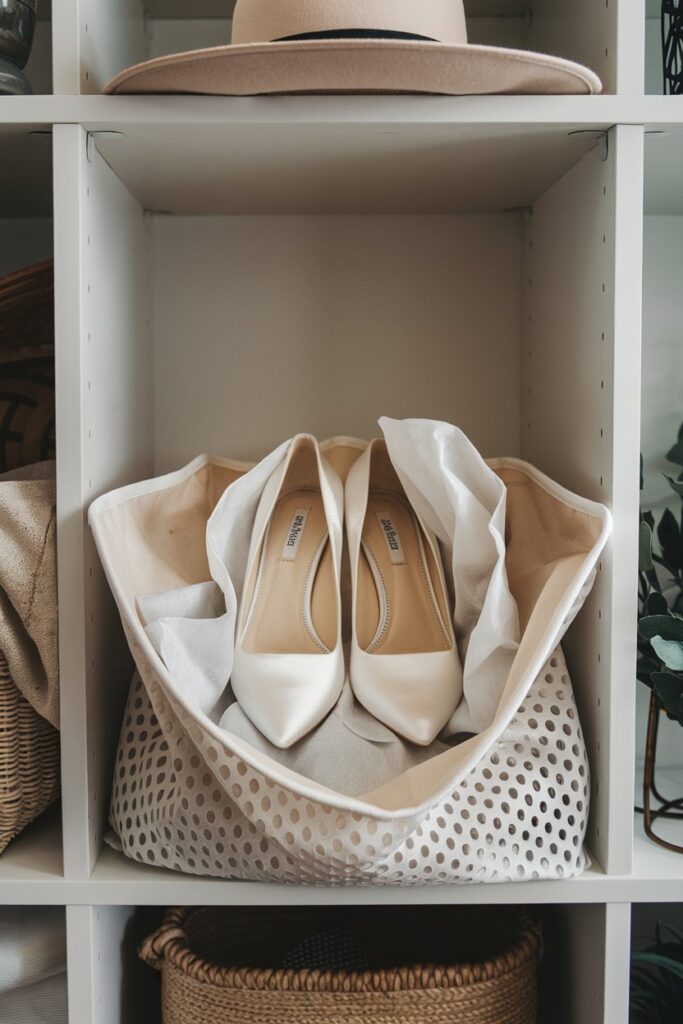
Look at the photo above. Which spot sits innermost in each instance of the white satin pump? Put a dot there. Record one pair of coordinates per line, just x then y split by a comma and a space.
288, 670
405, 667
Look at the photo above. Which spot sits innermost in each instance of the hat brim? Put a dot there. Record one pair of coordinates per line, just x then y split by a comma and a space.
356, 66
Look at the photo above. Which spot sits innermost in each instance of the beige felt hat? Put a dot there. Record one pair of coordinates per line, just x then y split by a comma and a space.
353, 46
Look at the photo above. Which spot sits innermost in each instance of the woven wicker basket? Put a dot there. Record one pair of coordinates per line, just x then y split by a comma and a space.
468, 965
29, 760
29, 745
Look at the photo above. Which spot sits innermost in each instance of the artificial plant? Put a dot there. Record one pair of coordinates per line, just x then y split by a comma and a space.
660, 625
657, 980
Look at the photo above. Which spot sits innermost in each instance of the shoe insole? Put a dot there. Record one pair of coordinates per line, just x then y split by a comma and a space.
294, 604
400, 605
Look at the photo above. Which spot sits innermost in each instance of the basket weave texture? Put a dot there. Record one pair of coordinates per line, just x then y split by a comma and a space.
423, 966
29, 760
29, 744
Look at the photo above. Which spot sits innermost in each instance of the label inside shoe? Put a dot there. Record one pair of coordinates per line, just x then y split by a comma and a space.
393, 541
294, 534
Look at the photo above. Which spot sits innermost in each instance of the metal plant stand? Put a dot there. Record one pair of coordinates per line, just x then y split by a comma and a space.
668, 810
672, 46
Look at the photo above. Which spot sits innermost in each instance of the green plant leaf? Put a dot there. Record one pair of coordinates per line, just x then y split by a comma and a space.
670, 651
676, 485
669, 627
655, 604
670, 541
644, 669
669, 690
677, 937
675, 454
645, 563
665, 962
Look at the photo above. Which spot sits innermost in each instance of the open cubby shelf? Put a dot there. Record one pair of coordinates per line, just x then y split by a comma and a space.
539, 233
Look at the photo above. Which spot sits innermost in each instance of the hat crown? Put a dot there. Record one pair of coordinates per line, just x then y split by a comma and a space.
265, 21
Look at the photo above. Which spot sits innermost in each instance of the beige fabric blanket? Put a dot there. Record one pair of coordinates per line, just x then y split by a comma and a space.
28, 585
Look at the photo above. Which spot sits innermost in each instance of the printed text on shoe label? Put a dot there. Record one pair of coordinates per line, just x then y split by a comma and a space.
393, 541
294, 534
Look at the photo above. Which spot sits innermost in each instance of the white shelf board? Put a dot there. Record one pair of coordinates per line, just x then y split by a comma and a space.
107, 111
136, 884
34, 858
653, 861
340, 169
127, 882
30, 873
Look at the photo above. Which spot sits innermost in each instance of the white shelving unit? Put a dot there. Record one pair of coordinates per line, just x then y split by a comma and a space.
503, 234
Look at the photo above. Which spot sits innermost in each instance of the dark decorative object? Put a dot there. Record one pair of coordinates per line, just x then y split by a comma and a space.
27, 383
17, 23
672, 46
660, 641
657, 979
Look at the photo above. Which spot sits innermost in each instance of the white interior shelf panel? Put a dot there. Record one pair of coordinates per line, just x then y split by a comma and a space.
455, 304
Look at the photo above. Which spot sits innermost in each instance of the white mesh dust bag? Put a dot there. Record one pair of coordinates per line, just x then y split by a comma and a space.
503, 793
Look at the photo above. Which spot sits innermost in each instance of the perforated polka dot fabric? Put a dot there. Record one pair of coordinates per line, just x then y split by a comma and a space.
187, 802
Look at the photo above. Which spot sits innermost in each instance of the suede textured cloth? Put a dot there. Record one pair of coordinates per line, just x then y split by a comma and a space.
33, 988
45, 1002
28, 585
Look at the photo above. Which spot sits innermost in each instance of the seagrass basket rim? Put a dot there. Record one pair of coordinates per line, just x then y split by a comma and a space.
169, 945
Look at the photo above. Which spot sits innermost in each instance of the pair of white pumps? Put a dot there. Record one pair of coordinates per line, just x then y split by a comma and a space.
289, 669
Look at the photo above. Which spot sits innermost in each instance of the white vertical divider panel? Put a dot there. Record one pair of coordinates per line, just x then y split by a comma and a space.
81, 957
617, 963
101, 953
631, 25
582, 30
104, 425
585, 971
581, 394
67, 143
65, 47
572, 974
110, 36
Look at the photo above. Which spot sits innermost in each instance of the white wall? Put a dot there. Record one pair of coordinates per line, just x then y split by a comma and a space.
662, 350
653, 57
